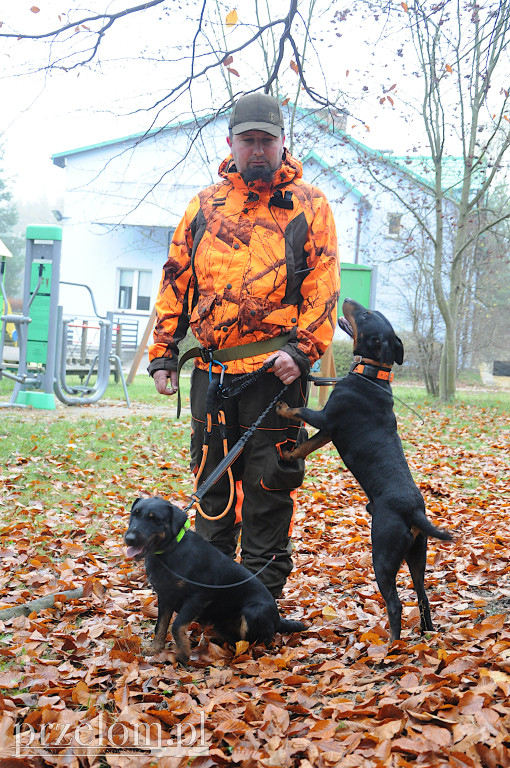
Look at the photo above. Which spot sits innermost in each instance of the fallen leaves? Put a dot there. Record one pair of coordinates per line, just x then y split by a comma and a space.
339, 694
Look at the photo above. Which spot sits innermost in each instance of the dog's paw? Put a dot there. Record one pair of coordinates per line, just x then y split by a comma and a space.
287, 455
151, 649
182, 658
281, 408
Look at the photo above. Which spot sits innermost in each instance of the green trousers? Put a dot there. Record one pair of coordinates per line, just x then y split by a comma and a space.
264, 486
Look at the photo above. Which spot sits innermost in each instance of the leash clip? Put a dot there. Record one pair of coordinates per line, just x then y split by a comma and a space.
222, 372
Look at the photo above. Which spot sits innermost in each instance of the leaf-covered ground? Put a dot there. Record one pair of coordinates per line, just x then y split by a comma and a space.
337, 695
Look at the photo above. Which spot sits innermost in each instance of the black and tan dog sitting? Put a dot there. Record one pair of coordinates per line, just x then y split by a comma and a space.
358, 417
198, 582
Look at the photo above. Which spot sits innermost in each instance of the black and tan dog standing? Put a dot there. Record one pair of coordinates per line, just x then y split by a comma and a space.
198, 582
358, 418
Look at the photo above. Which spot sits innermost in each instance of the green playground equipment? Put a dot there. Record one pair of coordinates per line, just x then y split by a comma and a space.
42, 333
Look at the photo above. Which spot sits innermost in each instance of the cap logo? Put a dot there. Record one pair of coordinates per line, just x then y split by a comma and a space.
273, 117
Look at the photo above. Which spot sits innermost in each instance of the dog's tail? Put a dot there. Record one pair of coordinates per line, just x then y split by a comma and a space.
286, 626
429, 529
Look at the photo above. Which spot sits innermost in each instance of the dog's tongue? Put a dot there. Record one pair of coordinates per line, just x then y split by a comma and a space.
345, 326
133, 551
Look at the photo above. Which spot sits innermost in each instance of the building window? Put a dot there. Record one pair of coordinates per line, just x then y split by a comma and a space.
135, 289
394, 224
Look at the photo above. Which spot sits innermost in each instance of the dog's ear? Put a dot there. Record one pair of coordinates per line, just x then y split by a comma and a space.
177, 518
398, 349
391, 353
135, 503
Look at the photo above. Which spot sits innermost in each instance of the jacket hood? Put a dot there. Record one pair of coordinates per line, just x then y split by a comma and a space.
290, 170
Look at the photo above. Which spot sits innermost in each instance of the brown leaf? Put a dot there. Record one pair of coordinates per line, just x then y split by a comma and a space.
241, 647
388, 730
294, 66
82, 695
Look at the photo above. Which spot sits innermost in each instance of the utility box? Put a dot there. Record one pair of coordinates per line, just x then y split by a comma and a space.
357, 282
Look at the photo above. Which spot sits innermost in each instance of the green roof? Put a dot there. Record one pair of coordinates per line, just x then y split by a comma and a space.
312, 155
60, 157
419, 168
453, 170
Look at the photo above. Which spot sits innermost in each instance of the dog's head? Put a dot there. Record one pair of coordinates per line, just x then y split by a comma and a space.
372, 334
153, 524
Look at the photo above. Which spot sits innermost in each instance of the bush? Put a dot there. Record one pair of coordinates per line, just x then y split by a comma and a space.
342, 355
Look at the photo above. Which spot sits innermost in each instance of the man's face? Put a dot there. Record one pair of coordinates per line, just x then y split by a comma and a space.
257, 154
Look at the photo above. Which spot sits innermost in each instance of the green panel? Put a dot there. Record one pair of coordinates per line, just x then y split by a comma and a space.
40, 317
355, 283
45, 287
44, 233
37, 352
37, 331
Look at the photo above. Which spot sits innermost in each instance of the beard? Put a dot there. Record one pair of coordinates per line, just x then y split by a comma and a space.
255, 174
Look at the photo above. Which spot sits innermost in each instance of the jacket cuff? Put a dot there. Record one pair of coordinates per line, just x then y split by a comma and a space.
162, 364
301, 360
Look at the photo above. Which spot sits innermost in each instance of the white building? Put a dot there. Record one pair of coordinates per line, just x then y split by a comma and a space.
125, 197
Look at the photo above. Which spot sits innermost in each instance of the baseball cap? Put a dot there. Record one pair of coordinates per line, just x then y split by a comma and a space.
257, 112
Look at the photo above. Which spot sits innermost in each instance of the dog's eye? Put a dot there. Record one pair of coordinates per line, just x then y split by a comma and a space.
151, 515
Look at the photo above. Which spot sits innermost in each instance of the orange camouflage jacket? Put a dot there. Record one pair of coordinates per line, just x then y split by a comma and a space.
250, 262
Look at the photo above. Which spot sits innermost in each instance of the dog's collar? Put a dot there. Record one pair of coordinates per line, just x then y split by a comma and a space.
370, 370
179, 536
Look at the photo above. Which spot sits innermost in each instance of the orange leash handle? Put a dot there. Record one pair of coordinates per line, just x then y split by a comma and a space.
222, 424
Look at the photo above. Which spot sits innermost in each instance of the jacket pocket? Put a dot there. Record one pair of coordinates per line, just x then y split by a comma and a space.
203, 308
279, 475
283, 316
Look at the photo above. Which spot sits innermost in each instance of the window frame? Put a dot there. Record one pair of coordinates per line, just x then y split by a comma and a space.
135, 295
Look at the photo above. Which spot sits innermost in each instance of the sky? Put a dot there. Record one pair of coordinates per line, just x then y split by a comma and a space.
47, 112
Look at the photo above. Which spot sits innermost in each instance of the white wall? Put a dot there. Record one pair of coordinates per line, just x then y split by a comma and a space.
123, 199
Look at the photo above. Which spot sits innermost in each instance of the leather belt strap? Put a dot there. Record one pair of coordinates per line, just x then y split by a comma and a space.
226, 355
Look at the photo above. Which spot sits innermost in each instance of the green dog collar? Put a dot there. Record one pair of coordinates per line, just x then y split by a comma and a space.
183, 530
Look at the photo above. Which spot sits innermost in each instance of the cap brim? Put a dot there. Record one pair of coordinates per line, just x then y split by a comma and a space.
273, 130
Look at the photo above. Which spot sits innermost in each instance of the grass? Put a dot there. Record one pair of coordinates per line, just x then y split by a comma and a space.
59, 457
69, 476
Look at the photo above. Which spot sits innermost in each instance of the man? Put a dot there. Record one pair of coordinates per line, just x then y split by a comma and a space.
253, 261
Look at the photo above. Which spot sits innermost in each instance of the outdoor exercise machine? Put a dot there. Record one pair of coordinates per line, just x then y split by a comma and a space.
42, 333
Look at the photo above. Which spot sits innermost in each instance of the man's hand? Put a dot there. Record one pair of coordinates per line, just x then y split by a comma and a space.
161, 381
285, 368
